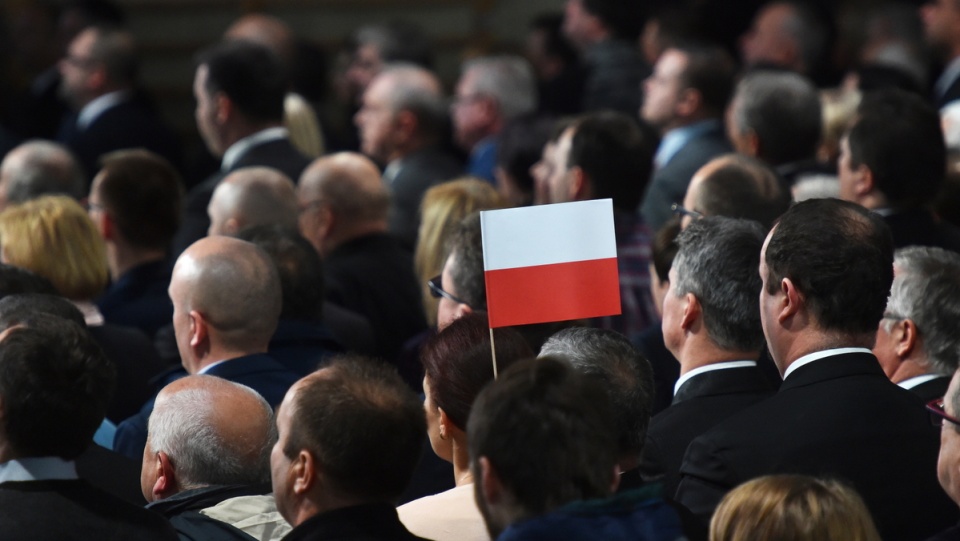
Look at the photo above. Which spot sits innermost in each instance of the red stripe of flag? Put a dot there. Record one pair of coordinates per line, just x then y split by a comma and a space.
557, 292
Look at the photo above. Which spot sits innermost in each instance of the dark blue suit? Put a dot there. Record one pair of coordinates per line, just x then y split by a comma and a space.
139, 298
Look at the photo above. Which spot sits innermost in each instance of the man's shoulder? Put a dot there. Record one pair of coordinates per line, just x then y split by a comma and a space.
278, 154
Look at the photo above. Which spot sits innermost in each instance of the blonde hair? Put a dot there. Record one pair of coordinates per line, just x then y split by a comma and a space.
792, 508
839, 107
443, 207
53, 237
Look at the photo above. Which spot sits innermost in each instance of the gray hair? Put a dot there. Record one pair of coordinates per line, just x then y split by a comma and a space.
807, 32
784, 111
507, 79
183, 426
418, 90
717, 262
926, 290
38, 168
625, 374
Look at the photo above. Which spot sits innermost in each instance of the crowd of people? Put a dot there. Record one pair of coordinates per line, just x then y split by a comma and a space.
285, 336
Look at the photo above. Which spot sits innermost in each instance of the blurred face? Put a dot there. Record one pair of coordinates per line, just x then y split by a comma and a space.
76, 68
375, 121
766, 42
206, 113
948, 463
447, 310
281, 473
662, 90
470, 112
576, 22
555, 173
365, 64
941, 22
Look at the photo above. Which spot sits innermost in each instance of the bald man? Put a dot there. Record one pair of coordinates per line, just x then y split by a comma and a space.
226, 303
252, 196
38, 168
344, 207
207, 456
736, 186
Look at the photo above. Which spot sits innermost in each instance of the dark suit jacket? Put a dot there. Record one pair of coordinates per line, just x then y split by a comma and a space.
72, 510
139, 298
933, 389
418, 172
669, 183
370, 522
137, 363
837, 417
112, 472
920, 227
702, 402
952, 94
278, 154
302, 346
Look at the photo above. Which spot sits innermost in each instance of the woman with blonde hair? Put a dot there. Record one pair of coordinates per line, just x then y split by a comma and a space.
443, 207
792, 508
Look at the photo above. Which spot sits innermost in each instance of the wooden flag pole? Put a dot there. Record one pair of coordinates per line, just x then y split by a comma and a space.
493, 352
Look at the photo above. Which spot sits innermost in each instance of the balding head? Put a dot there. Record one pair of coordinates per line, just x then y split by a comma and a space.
252, 196
226, 301
737, 186
342, 197
38, 168
205, 431
265, 30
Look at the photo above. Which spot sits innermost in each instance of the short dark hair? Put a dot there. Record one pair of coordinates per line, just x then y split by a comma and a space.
143, 194
548, 431
299, 267
898, 136
466, 246
55, 383
710, 70
627, 376
14, 281
117, 51
374, 463
13, 308
250, 75
521, 144
743, 187
616, 154
458, 362
839, 256
717, 262
624, 19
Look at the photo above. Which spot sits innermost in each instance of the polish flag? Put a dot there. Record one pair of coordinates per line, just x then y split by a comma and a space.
550, 263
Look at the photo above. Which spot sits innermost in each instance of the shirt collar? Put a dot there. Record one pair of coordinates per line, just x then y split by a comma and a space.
816, 356
675, 139
950, 73
238, 149
43, 468
91, 314
95, 108
910, 383
709, 368
210, 366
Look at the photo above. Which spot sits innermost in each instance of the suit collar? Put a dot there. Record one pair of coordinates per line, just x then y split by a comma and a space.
834, 367
727, 381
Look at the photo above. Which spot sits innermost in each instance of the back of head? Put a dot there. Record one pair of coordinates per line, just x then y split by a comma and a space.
397, 41
507, 79
299, 268
610, 359
250, 75
16, 281
38, 168
351, 185
143, 194
214, 431
419, 91
710, 70
839, 256
253, 196
548, 432
926, 290
116, 50
55, 384
458, 363
623, 19
267, 31
54, 237
521, 145
739, 186
616, 155
717, 262
466, 248
898, 136
783, 110
15, 307
792, 508
370, 465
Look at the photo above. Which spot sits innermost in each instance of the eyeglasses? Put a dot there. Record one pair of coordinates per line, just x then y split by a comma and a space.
436, 291
677, 209
90, 206
938, 414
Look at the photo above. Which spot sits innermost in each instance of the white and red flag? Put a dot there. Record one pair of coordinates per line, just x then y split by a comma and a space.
550, 263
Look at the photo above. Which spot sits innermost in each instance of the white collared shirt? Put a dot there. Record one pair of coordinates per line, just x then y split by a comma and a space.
910, 383
817, 355
42, 468
207, 368
95, 108
950, 74
238, 149
709, 368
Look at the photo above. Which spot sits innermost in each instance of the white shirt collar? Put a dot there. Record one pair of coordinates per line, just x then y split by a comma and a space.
37, 469
709, 368
207, 368
238, 149
950, 74
95, 108
910, 383
816, 356
91, 314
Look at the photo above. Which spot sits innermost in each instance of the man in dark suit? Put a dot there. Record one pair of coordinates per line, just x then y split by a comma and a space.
917, 344
55, 387
99, 82
948, 464
940, 19
684, 100
716, 335
333, 481
891, 162
344, 215
826, 269
401, 122
240, 88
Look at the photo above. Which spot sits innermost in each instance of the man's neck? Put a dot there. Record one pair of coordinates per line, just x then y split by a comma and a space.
218, 355
910, 369
350, 233
122, 259
700, 351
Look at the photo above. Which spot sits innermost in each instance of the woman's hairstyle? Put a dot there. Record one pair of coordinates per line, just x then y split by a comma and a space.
443, 208
53, 237
458, 363
792, 508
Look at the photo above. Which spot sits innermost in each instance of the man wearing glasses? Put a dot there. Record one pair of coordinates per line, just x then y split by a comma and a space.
943, 413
